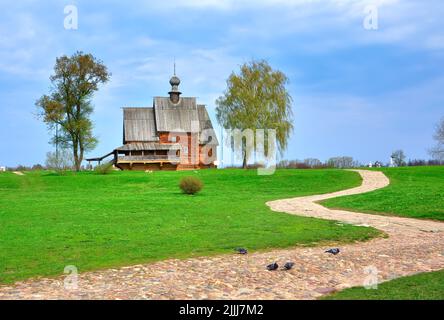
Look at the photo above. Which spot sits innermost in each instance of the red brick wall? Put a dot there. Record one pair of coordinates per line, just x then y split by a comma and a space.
185, 139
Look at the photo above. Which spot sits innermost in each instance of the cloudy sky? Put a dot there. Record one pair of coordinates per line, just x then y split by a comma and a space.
356, 92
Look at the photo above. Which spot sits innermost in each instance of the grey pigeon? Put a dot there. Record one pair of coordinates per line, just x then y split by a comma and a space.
289, 265
242, 250
272, 267
333, 251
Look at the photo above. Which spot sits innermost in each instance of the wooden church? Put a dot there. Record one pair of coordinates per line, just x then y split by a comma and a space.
175, 134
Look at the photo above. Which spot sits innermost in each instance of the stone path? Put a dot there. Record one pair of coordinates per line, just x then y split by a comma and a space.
412, 246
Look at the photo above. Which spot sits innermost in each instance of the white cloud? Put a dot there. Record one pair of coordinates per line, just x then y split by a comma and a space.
323, 26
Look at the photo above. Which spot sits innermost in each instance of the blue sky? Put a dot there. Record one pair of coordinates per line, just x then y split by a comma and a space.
356, 92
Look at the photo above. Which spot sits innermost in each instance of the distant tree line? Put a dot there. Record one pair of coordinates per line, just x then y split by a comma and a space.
419, 163
313, 163
348, 163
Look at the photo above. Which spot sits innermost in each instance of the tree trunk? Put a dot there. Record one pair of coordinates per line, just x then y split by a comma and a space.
244, 162
76, 163
80, 157
76, 156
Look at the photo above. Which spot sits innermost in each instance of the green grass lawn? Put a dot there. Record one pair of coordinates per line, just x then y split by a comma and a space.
416, 192
93, 221
425, 286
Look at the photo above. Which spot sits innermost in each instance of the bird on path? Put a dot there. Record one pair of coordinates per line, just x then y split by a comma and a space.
272, 267
333, 251
289, 265
241, 250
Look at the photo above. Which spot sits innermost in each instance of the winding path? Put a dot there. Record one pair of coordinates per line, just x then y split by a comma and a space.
411, 246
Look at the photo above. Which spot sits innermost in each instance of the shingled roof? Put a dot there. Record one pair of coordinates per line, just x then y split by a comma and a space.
144, 124
177, 117
139, 125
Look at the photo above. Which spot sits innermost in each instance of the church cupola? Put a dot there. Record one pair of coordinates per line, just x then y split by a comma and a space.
175, 93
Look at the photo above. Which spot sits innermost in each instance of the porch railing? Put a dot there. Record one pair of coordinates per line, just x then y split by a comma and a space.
148, 158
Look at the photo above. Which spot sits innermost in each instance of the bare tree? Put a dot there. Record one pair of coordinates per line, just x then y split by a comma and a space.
398, 157
60, 161
438, 151
342, 162
313, 162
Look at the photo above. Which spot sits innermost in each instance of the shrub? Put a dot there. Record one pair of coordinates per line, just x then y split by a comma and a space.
256, 165
190, 185
105, 168
37, 167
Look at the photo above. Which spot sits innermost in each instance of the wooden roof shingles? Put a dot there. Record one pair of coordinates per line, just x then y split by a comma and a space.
175, 117
139, 125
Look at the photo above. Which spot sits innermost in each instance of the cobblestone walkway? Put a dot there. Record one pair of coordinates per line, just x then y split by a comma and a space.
412, 246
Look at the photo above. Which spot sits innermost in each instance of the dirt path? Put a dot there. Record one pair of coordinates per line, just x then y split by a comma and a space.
412, 246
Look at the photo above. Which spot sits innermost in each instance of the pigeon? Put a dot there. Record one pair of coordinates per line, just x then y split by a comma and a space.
272, 267
333, 251
242, 250
289, 265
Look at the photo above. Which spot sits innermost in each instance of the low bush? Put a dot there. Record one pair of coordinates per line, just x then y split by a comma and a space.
105, 168
190, 185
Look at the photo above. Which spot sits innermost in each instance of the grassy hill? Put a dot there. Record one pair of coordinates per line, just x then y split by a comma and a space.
96, 221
